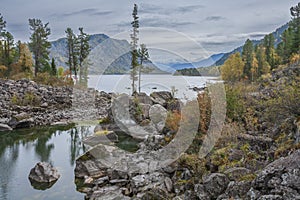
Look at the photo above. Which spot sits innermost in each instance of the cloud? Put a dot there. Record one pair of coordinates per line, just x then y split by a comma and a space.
101, 13
214, 18
88, 11
187, 9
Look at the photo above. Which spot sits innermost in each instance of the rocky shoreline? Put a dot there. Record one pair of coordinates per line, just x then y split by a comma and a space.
26, 104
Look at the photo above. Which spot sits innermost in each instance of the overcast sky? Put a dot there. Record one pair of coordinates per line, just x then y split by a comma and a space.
216, 25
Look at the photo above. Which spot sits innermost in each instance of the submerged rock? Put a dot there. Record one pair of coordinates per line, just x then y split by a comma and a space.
44, 173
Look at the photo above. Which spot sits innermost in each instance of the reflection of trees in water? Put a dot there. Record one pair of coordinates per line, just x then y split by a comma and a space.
77, 147
8, 157
42, 149
12, 142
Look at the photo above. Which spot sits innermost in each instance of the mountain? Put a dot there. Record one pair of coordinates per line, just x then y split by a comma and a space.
277, 35
202, 63
108, 55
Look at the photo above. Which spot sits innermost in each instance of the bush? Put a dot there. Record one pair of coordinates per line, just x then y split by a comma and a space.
28, 99
46, 79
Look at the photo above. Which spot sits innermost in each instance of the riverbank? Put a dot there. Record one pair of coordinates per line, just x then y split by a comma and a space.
25, 104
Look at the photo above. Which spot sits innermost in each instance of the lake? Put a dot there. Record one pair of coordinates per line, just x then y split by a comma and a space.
150, 83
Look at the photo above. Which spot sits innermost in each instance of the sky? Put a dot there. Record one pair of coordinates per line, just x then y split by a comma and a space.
192, 29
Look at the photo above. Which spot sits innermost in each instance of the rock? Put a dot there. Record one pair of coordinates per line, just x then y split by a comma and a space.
107, 193
270, 197
235, 154
25, 123
281, 177
215, 184
143, 98
44, 173
158, 115
106, 138
263, 142
236, 190
44, 105
161, 97
169, 184
5, 127
201, 193
234, 174
60, 123
145, 110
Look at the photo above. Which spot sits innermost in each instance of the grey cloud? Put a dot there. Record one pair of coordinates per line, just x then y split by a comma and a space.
214, 18
102, 13
186, 9
83, 11
88, 11
164, 23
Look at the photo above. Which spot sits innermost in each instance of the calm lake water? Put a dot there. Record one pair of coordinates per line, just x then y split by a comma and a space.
21, 150
150, 83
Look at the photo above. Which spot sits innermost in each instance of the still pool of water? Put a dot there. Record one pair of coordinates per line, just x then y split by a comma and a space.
60, 146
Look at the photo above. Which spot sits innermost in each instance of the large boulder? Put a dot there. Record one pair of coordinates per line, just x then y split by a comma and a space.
158, 115
215, 184
44, 173
144, 98
281, 177
162, 97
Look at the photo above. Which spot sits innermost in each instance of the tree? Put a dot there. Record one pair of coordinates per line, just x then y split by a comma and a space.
248, 57
25, 61
295, 25
263, 65
7, 49
269, 42
143, 55
134, 43
2, 23
84, 51
72, 51
60, 72
53, 71
39, 44
254, 68
233, 68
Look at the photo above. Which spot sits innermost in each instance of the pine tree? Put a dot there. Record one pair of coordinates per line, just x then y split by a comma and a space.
143, 55
39, 44
295, 25
53, 68
268, 42
284, 49
72, 51
7, 50
263, 65
84, 51
134, 44
247, 56
2, 23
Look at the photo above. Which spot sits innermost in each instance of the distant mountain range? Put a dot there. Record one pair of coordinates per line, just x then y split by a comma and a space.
108, 55
219, 59
277, 34
112, 56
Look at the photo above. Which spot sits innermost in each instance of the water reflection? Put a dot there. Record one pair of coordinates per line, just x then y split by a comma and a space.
21, 150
